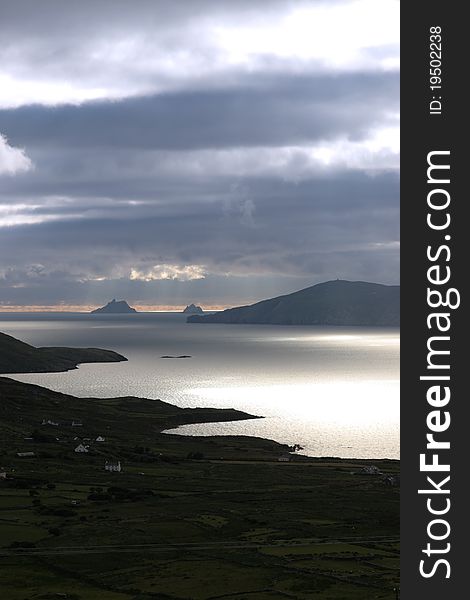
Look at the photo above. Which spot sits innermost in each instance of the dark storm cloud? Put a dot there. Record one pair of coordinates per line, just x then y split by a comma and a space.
284, 111
346, 225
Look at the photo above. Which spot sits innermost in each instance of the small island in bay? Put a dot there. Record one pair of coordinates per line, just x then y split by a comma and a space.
115, 307
192, 309
340, 303
19, 357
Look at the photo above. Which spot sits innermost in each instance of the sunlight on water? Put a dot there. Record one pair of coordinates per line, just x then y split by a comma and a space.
333, 390
342, 418
330, 404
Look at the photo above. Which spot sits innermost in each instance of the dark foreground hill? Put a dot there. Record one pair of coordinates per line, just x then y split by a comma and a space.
332, 303
128, 414
115, 307
188, 516
16, 357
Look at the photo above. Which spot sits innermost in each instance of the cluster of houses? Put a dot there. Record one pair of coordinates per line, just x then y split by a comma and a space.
109, 465
81, 448
73, 423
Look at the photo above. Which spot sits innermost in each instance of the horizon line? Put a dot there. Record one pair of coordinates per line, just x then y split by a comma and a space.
86, 309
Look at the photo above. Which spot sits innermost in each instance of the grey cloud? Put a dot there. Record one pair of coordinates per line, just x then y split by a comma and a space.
56, 18
144, 181
338, 214
125, 48
287, 111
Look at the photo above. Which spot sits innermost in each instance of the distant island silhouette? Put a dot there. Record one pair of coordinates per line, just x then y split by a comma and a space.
114, 307
192, 309
331, 303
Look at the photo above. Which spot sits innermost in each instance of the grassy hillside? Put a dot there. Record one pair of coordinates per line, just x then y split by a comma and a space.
188, 518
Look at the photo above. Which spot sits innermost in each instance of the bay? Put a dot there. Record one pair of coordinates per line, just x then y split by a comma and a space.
334, 391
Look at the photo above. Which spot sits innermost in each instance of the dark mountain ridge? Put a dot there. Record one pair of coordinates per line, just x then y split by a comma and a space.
339, 302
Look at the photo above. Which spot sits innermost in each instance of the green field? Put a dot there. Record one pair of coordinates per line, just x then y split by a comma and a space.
187, 518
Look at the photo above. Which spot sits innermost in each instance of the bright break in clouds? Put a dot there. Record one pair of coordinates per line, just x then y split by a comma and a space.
196, 151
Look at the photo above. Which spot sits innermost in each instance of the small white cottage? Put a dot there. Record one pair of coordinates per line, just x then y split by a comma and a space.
100, 438
81, 448
113, 465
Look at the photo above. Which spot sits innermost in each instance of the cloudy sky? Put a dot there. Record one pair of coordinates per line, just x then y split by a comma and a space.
195, 151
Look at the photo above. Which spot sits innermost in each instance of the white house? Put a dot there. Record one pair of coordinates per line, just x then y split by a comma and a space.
100, 438
371, 470
81, 448
3, 474
112, 465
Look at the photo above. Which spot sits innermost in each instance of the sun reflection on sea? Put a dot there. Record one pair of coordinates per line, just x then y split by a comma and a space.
349, 403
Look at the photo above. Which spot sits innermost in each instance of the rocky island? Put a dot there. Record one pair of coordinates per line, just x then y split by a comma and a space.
341, 303
192, 309
115, 307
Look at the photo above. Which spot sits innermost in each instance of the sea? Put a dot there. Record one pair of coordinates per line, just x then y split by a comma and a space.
333, 390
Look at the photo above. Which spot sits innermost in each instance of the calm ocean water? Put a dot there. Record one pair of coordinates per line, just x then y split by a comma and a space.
333, 390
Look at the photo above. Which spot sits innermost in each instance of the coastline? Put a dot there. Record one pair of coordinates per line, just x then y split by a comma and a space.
181, 507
